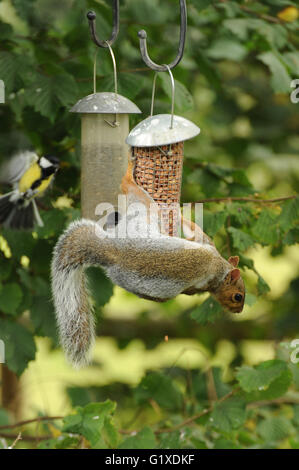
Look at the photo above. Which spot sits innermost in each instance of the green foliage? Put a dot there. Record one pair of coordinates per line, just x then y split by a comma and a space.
234, 82
238, 417
209, 311
228, 415
97, 278
160, 388
269, 380
144, 439
94, 422
19, 345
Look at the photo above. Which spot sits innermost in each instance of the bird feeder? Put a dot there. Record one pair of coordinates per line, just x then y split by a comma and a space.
157, 144
104, 128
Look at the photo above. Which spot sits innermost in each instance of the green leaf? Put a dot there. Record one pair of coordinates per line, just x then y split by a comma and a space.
280, 80
200, 384
100, 286
228, 415
19, 345
276, 389
21, 243
183, 99
238, 26
144, 439
54, 221
41, 97
8, 70
65, 89
10, 298
24, 9
6, 31
209, 311
262, 286
265, 229
213, 221
227, 49
110, 433
170, 440
260, 377
223, 443
274, 428
62, 442
5, 268
289, 214
43, 317
161, 388
241, 212
47, 94
292, 61
209, 182
241, 240
130, 84
89, 421
201, 4
296, 415
4, 417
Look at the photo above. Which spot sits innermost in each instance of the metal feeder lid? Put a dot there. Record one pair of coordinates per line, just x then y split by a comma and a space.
155, 130
105, 103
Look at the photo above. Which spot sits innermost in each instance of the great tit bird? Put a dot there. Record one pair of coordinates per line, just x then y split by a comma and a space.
30, 176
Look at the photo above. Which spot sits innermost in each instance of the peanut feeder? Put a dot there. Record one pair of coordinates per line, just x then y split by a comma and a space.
157, 145
158, 142
104, 128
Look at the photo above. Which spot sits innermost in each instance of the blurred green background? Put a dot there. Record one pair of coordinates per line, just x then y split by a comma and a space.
234, 82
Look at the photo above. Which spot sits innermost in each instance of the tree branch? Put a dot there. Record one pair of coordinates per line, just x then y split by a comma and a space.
245, 199
28, 421
25, 438
197, 416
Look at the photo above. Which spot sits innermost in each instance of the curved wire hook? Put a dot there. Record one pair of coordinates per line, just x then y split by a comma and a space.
172, 94
143, 47
91, 16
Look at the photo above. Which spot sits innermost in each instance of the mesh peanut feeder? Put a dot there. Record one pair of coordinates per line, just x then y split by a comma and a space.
157, 152
158, 143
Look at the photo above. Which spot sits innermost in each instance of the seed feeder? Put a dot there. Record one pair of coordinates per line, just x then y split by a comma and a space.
157, 143
104, 128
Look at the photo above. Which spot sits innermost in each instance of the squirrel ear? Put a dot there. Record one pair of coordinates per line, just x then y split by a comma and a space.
234, 260
235, 274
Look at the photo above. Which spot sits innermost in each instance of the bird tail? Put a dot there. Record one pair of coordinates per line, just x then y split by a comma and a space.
77, 248
17, 213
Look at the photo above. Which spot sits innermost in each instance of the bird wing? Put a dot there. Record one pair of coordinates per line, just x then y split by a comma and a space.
12, 171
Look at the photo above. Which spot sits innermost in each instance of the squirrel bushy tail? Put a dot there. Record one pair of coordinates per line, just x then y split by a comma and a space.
77, 248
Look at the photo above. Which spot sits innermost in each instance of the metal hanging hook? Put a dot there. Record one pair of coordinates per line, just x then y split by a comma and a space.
91, 16
172, 94
143, 47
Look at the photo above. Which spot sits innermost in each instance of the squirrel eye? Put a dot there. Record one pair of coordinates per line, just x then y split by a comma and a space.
238, 297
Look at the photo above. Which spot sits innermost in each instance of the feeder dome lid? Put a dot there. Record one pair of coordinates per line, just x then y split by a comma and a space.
155, 130
105, 103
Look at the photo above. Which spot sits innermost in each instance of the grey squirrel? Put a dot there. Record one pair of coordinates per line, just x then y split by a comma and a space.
156, 267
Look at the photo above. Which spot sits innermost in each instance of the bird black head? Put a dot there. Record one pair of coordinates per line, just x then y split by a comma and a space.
51, 158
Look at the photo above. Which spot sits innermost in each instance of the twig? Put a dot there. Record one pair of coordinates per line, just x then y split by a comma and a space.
197, 416
25, 438
28, 421
245, 199
19, 436
263, 16
277, 401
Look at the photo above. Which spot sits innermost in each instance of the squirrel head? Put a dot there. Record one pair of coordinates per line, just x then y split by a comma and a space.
231, 292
